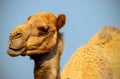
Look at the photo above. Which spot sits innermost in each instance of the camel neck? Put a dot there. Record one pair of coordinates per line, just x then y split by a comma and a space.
47, 66
47, 70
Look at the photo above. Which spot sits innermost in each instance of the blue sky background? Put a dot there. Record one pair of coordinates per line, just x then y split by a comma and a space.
84, 19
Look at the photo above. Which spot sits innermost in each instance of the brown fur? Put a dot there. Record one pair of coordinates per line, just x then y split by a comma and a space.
40, 39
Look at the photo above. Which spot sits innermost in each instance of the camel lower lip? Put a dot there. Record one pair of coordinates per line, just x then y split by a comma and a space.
15, 52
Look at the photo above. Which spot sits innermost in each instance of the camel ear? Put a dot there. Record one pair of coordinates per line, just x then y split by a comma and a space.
61, 20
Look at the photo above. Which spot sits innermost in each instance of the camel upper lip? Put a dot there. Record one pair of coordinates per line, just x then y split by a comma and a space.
17, 48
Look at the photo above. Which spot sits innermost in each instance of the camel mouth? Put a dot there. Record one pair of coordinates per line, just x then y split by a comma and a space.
15, 52
16, 49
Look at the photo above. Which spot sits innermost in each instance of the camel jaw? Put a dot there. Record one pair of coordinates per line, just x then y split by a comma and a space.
15, 52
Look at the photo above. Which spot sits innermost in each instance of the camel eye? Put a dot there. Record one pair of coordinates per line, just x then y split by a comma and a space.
43, 30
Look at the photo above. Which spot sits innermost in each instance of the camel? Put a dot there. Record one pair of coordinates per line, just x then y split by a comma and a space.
98, 59
39, 38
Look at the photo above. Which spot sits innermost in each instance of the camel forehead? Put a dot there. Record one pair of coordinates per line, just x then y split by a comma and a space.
43, 17
40, 15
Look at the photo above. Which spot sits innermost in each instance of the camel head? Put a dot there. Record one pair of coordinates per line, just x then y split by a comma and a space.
38, 35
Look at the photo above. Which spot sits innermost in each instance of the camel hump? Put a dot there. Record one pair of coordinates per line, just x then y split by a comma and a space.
88, 62
108, 38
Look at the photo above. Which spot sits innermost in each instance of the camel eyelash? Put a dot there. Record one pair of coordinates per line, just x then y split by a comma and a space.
42, 30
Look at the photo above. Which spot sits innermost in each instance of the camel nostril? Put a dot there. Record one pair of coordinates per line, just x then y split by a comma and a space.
18, 35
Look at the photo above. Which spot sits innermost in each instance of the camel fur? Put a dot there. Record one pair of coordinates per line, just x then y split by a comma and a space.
39, 38
98, 59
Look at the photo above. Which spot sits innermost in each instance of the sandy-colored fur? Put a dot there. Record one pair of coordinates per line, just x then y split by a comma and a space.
40, 39
98, 59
